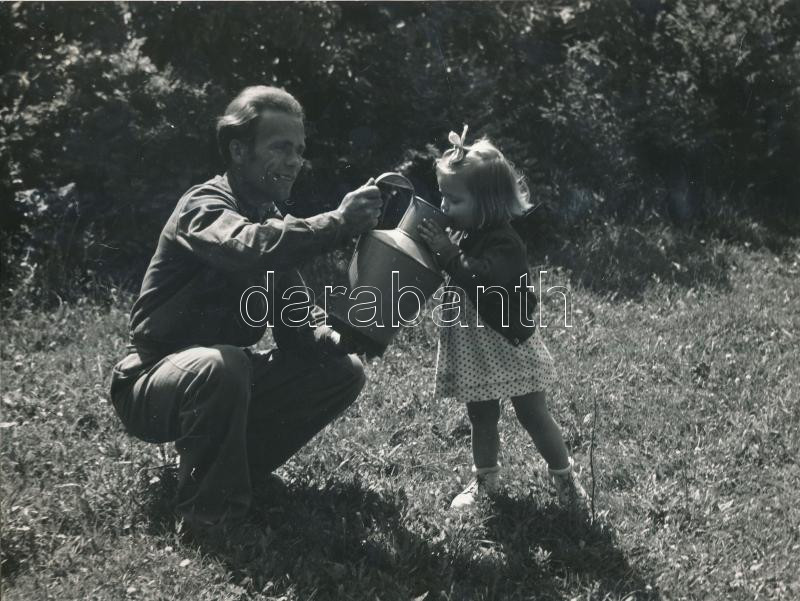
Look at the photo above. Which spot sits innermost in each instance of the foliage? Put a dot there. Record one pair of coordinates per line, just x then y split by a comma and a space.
613, 109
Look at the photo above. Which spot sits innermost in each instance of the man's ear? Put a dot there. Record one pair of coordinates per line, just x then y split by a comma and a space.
238, 151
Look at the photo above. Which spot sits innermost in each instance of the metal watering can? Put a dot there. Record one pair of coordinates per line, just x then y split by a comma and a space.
391, 273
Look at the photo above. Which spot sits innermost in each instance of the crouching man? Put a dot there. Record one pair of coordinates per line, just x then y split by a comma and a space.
235, 414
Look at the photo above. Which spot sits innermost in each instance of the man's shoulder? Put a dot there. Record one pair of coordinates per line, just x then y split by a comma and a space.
200, 198
216, 188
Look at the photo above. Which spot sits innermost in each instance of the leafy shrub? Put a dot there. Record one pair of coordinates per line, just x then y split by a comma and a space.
613, 109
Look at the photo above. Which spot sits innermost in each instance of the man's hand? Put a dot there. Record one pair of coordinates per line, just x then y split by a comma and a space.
361, 208
437, 240
329, 342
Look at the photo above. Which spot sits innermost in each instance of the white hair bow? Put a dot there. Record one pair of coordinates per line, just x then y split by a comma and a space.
458, 143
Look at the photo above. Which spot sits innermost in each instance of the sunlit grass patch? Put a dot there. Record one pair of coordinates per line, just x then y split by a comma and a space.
680, 407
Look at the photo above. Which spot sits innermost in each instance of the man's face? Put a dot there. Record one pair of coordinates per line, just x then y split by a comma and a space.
271, 163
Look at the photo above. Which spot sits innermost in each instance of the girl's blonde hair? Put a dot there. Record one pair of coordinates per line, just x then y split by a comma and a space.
500, 190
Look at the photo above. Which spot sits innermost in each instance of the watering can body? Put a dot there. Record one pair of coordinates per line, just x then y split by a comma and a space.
391, 275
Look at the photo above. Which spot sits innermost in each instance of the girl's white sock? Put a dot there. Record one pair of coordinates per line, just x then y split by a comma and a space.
562, 471
482, 471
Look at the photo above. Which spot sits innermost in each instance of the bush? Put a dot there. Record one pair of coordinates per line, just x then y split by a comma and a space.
613, 109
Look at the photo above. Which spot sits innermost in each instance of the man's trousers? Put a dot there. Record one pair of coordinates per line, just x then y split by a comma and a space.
234, 416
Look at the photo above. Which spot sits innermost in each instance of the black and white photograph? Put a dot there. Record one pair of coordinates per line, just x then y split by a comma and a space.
400, 301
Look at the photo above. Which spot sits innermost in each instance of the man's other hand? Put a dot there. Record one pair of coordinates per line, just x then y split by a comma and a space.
361, 208
330, 342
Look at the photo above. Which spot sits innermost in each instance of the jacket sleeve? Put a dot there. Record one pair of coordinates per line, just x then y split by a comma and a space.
212, 230
500, 262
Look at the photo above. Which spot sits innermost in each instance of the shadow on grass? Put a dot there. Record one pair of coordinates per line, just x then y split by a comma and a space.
339, 539
550, 543
342, 540
323, 540
155, 498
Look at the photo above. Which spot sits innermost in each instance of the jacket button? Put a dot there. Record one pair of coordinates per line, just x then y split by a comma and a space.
516, 341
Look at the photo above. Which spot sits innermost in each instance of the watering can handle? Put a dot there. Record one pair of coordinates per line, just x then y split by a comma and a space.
392, 181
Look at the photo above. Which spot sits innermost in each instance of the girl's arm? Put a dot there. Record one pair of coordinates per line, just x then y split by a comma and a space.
500, 261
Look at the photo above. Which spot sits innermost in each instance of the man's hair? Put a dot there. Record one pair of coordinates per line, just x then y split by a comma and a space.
241, 116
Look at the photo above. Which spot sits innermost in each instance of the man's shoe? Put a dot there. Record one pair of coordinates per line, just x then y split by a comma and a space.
484, 483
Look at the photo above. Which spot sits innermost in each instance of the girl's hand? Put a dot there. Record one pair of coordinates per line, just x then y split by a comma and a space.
436, 238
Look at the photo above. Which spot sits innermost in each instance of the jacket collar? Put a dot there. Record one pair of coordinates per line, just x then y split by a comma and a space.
255, 212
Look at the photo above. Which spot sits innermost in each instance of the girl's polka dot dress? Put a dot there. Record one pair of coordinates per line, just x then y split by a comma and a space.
479, 364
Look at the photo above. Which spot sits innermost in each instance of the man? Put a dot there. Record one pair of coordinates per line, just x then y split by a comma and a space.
234, 414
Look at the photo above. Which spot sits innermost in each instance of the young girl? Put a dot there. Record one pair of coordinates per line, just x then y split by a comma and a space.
481, 194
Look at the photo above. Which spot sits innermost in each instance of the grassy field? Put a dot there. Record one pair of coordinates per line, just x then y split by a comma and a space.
678, 396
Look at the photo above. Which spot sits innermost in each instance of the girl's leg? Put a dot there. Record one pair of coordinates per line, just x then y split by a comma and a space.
483, 416
533, 414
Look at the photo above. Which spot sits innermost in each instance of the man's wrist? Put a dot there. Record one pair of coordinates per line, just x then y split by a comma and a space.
344, 226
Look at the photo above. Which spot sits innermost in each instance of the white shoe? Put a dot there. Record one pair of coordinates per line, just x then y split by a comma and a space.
482, 484
571, 495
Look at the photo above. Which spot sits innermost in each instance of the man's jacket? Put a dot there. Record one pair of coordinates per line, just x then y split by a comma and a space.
211, 250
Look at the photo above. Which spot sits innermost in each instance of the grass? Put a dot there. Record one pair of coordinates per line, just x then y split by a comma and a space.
689, 386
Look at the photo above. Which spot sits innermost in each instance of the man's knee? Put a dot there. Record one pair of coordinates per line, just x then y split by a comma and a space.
344, 374
227, 369
352, 372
